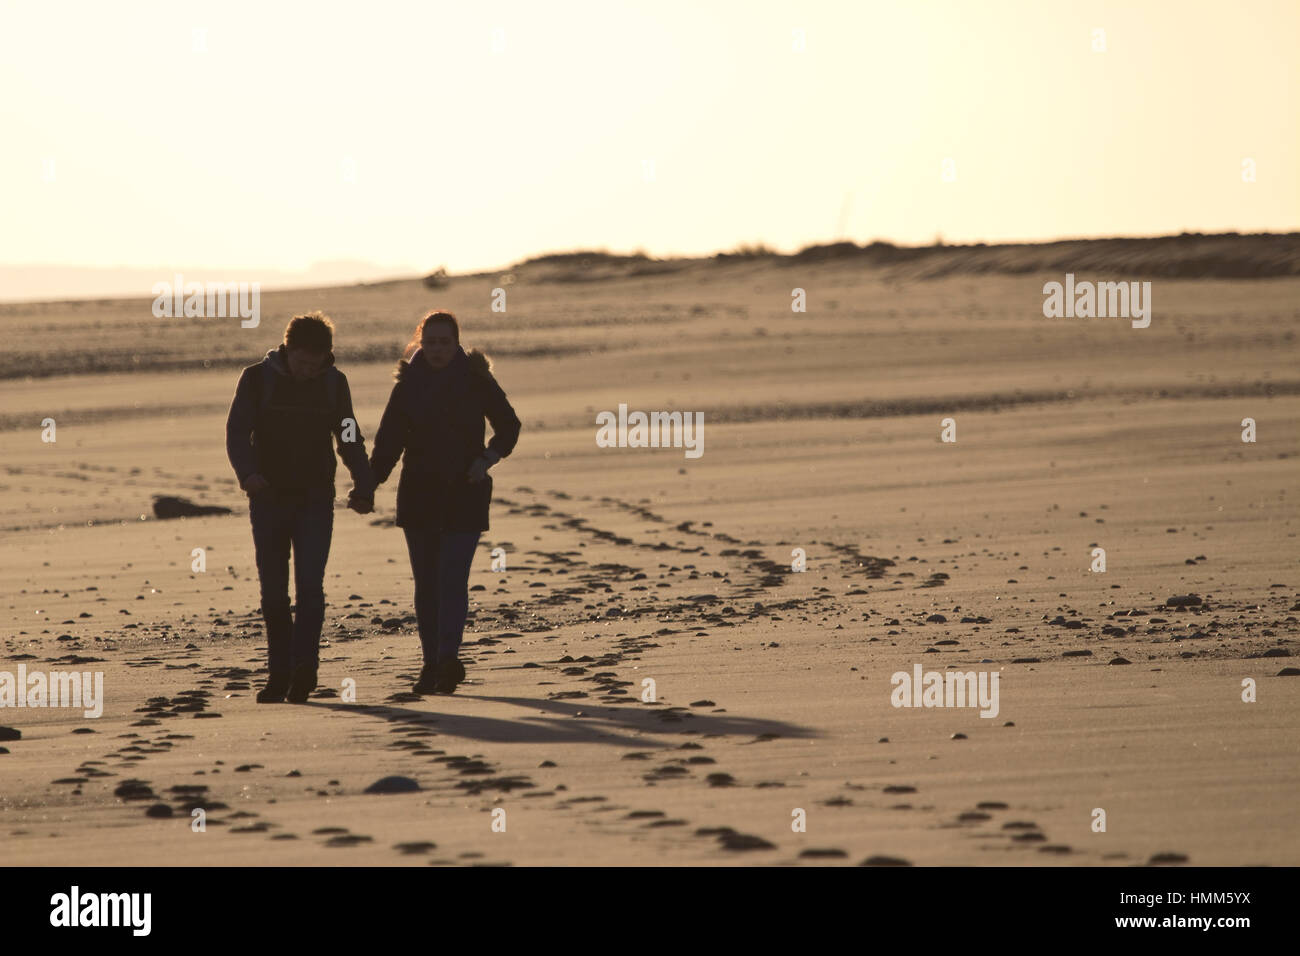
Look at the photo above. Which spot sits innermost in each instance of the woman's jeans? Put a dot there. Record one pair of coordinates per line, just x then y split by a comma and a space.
440, 563
303, 520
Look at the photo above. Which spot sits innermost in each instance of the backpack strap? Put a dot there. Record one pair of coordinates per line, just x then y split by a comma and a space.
266, 387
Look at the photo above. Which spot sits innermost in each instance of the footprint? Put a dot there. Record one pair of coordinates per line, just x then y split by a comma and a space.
422, 846
261, 826
1161, 859
348, 839
744, 841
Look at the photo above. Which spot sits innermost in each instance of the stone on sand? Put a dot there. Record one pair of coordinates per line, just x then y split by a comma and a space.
393, 785
171, 506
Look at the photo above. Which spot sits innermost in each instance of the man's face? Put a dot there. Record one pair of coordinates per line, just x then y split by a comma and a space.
438, 345
305, 363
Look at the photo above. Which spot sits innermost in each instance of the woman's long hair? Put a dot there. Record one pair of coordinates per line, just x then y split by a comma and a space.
433, 317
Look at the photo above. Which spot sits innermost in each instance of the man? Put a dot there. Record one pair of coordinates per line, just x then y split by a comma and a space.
278, 439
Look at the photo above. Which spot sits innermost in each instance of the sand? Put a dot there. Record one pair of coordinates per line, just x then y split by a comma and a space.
772, 689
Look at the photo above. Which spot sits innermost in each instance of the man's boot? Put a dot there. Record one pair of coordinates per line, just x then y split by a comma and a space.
279, 633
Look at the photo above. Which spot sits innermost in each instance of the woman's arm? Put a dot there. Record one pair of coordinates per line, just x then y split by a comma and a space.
390, 440
505, 423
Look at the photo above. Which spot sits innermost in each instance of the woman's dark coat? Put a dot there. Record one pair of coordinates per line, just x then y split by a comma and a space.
434, 422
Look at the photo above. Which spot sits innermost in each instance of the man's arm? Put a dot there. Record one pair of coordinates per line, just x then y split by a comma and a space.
239, 427
353, 452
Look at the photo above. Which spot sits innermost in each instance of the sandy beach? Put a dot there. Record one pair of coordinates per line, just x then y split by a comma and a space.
767, 734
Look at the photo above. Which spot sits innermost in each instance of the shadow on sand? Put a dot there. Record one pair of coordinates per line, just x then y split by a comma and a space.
563, 722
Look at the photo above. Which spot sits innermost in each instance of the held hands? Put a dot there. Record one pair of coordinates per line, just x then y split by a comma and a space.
256, 484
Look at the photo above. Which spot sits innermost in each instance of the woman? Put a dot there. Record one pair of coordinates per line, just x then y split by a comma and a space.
435, 415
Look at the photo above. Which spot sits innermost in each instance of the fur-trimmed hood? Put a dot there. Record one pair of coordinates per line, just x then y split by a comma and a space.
474, 360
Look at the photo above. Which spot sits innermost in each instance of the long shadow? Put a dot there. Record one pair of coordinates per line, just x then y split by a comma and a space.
611, 726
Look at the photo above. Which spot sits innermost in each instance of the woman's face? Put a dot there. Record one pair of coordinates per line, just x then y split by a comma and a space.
438, 345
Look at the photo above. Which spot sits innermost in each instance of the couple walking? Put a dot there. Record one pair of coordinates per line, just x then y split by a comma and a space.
289, 412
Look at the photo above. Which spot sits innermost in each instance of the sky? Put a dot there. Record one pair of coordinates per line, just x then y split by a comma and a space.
396, 137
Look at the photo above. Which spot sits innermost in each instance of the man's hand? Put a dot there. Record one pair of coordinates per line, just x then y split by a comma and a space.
362, 506
255, 484
478, 471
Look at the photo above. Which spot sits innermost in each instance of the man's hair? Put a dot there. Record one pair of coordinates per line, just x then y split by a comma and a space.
313, 331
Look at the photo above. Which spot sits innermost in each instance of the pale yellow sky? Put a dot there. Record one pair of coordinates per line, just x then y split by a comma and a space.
476, 134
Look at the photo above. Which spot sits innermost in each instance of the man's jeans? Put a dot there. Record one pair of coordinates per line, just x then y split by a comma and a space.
440, 562
305, 521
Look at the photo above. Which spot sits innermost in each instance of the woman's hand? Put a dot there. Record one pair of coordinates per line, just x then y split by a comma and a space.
478, 471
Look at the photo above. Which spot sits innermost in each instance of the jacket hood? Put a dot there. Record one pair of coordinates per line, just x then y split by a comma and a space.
278, 359
474, 360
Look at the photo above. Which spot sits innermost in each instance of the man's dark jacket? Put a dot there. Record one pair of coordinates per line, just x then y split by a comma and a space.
434, 423
286, 435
